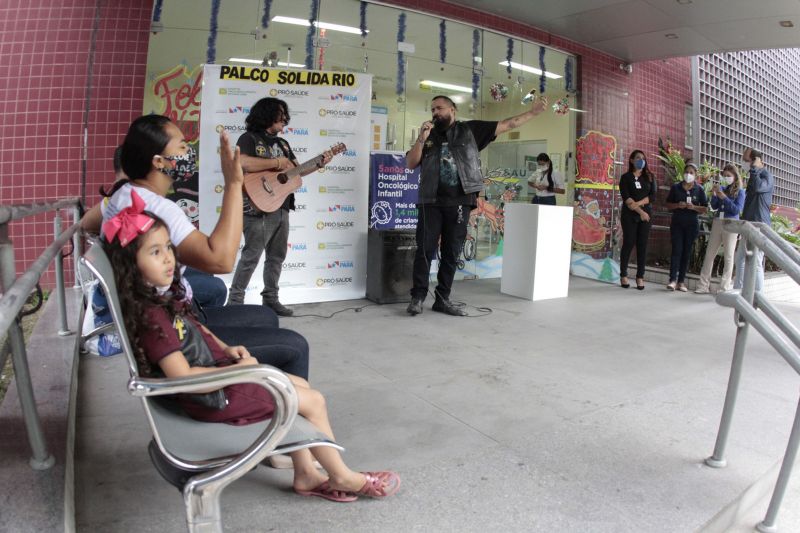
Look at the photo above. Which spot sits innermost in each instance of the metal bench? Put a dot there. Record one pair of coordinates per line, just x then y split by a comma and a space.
202, 458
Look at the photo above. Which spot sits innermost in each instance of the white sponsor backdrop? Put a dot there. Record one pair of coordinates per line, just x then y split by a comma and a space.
327, 255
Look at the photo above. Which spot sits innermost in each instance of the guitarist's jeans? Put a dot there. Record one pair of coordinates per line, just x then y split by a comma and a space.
268, 232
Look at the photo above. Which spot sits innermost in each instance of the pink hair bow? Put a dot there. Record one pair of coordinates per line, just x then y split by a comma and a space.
128, 223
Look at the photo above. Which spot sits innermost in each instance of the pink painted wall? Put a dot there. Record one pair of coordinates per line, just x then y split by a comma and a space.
44, 52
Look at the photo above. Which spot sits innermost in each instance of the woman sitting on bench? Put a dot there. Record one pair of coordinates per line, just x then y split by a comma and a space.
165, 336
153, 154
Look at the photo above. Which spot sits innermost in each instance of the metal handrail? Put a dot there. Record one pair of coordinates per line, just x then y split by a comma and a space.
775, 328
15, 293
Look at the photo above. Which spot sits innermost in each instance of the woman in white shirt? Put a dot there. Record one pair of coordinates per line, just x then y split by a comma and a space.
546, 181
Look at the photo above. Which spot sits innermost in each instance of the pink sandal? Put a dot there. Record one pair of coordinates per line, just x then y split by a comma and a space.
324, 490
380, 484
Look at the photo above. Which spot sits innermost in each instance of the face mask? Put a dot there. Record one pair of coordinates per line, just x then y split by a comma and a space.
639, 164
542, 168
688, 178
726, 180
183, 166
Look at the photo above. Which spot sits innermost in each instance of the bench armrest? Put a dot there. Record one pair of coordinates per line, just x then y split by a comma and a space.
272, 379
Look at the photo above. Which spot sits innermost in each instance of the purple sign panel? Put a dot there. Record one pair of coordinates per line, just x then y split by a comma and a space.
392, 192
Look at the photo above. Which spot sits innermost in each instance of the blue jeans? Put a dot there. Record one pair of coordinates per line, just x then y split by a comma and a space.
256, 328
208, 290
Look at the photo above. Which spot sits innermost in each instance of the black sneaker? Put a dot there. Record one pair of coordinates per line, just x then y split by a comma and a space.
442, 305
279, 308
414, 308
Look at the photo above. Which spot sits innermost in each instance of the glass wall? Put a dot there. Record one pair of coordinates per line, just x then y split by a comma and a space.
177, 53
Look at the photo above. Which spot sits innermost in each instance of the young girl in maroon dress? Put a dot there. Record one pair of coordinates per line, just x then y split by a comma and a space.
163, 331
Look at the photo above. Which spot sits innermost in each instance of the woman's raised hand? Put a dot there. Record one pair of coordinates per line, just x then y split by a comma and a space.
229, 160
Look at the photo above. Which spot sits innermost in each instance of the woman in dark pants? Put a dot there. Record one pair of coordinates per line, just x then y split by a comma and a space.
638, 190
686, 199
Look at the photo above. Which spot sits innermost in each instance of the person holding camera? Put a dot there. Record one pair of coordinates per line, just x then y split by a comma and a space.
686, 200
727, 200
758, 198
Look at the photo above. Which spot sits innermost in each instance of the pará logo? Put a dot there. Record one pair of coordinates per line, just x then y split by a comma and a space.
339, 97
239, 109
339, 208
295, 131
296, 246
350, 153
340, 264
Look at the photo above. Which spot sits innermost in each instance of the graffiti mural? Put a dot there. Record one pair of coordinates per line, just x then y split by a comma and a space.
596, 193
176, 94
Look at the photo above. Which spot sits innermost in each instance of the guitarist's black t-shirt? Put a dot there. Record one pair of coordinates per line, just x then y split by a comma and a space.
262, 144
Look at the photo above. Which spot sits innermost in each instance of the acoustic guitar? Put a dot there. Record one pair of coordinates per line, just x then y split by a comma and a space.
268, 189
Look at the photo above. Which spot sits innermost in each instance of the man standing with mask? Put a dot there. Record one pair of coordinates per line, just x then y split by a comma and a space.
757, 201
450, 182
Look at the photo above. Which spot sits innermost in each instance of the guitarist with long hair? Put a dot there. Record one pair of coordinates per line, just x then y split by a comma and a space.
265, 232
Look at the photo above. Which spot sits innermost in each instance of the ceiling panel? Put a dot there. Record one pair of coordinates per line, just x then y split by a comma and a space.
634, 30
631, 18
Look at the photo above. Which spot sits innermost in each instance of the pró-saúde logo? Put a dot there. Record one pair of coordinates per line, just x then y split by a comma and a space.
338, 113
295, 131
300, 149
288, 93
218, 189
334, 189
300, 207
296, 246
345, 169
340, 264
295, 265
332, 282
335, 225
227, 127
341, 208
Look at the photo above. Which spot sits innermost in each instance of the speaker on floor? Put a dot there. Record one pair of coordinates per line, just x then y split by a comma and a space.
390, 263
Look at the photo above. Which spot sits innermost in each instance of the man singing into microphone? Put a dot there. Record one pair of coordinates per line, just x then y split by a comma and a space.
450, 182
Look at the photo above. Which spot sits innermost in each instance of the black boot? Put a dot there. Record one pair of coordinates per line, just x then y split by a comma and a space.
415, 307
444, 305
279, 308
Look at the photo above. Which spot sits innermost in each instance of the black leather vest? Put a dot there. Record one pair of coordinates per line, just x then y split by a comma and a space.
464, 150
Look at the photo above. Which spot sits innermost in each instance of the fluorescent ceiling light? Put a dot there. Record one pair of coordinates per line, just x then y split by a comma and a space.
577, 110
325, 25
261, 62
448, 86
532, 70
